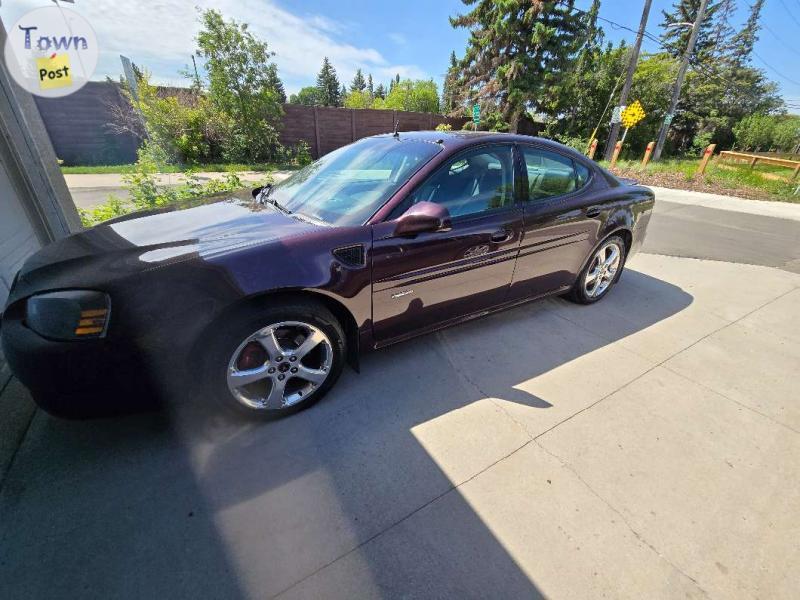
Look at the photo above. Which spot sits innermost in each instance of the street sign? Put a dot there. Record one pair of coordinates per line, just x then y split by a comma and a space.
476, 114
632, 114
668, 119
616, 114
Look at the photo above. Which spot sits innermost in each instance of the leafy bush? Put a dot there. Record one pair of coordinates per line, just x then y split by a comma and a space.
701, 141
754, 132
578, 143
302, 153
146, 194
444, 127
786, 135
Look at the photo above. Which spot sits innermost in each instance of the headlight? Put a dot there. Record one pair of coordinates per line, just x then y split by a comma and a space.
69, 315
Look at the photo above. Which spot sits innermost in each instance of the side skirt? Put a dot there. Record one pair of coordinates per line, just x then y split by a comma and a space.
470, 317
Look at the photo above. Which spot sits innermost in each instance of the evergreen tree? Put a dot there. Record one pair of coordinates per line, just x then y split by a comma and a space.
358, 84
450, 86
342, 95
370, 86
676, 34
519, 53
328, 85
380, 91
721, 29
276, 83
576, 104
743, 42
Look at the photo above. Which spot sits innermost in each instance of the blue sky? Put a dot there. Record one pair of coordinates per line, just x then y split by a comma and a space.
412, 37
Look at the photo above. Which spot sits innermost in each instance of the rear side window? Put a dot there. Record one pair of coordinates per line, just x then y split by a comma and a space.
582, 173
550, 174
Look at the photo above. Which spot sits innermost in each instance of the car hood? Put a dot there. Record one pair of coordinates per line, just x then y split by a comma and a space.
144, 241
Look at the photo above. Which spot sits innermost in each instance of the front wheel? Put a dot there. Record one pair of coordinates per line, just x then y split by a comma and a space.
276, 361
600, 273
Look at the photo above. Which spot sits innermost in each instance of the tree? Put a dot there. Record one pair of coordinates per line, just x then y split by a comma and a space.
243, 84
308, 96
579, 95
342, 95
358, 84
328, 90
370, 86
743, 42
786, 134
420, 95
676, 34
380, 91
358, 99
518, 53
450, 87
754, 132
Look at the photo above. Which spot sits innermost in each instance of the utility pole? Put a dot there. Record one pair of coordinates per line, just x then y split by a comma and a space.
676, 89
623, 97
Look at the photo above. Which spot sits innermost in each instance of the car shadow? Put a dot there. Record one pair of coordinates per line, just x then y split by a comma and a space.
354, 484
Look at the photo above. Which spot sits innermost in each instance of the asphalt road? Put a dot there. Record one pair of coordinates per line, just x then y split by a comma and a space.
643, 447
701, 232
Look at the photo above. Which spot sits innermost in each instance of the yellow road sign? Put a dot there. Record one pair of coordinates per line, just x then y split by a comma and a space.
632, 114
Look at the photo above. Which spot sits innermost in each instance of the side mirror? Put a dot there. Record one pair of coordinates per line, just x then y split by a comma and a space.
257, 191
423, 217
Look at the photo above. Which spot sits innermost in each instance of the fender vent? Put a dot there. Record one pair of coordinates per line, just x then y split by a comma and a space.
352, 256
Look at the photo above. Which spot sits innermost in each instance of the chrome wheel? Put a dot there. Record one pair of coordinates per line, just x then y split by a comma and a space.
280, 365
602, 269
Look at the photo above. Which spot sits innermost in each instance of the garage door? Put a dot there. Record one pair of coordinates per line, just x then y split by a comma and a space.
18, 240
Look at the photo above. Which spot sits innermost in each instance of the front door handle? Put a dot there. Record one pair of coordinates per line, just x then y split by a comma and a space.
502, 235
593, 211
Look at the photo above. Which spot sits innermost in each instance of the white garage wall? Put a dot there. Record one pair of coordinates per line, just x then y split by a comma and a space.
17, 238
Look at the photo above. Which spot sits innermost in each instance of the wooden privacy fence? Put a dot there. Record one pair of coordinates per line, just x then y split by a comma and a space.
752, 159
326, 128
78, 125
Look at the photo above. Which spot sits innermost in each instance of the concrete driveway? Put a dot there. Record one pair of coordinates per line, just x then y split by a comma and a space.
643, 447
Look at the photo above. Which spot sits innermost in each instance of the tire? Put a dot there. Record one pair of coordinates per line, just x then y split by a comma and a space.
267, 344
596, 280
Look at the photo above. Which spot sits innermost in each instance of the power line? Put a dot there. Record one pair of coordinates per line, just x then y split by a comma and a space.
790, 12
778, 73
778, 38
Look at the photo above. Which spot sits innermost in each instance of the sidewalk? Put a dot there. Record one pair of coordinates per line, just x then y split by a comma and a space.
764, 208
114, 180
90, 190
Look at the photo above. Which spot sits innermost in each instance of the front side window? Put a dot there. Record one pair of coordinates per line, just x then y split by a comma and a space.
474, 182
549, 174
348, 185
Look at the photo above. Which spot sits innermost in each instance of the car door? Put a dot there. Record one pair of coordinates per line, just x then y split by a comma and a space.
432, 278
559, 230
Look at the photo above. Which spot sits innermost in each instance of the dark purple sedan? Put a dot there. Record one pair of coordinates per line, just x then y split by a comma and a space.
261, 300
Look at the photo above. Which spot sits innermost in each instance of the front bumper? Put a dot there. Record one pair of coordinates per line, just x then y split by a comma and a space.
93, 377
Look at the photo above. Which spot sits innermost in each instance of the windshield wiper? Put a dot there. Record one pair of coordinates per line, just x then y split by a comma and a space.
266, 191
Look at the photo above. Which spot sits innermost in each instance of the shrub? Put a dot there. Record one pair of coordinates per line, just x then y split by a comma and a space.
701, 141
146, 194
302, 153
444, 127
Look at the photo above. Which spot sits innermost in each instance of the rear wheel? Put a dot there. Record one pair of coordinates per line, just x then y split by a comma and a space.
276, 361
601, 272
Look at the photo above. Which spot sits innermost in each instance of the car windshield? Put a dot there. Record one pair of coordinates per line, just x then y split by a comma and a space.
348, 185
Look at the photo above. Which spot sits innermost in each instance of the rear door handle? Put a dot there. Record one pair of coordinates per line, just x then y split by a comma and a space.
502, 235
593, 211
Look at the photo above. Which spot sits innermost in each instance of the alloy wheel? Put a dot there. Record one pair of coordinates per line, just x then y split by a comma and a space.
279, 365
602, 269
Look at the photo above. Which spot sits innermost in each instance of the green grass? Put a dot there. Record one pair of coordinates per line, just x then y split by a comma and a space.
728, 177
207, 168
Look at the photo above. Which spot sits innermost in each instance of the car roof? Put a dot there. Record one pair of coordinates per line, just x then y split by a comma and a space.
453, 140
